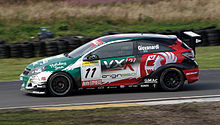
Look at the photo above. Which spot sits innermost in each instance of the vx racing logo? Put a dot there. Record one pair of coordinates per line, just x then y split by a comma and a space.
120, 64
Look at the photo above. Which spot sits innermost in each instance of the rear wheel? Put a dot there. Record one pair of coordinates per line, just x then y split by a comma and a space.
60, 84
171, 79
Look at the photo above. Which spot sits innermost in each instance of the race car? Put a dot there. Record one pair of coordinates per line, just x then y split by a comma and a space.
122, 60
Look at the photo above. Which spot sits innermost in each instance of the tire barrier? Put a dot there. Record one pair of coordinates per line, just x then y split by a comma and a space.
210, 36
15, 50
213, 37
4, 51
62, 45
2, 42
73, 44
111, 33
51, 48
27, 50
39, 49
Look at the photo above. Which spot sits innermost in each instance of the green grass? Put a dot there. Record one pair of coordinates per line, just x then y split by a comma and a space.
12, 68
207, 58
21, 30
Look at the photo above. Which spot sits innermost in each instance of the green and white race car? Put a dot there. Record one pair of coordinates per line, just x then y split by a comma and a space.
123, 60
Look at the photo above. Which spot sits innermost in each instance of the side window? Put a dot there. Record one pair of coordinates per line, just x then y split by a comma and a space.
146, 46
115, 50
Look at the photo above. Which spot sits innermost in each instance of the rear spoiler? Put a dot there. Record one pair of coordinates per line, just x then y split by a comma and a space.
194, 39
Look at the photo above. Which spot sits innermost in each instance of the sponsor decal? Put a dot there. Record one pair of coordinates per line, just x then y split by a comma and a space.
57, 66
118, 75
114, 63
129, 60
142, 48
90, 63
122, 86
150, 80
92, 82
96, 42
112, 87
101, 87
145, 85
46, 60
90, 70
35, 63
119, 63
191, 73
151, 62
43, 78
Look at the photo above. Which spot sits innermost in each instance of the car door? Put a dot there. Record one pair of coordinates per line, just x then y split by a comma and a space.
118, 63
91, 73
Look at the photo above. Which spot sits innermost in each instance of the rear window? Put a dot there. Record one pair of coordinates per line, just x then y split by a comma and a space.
184, 45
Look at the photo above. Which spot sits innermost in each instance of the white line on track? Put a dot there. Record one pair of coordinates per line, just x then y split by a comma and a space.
156, 101
166, 102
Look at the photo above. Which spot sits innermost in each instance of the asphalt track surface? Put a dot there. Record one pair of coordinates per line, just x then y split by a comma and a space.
11, 96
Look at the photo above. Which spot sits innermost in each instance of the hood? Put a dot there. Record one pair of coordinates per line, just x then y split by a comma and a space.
54, 62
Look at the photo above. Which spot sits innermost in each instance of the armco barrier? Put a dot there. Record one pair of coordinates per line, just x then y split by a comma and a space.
210, 36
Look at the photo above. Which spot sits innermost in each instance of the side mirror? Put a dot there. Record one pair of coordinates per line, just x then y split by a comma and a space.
91, 57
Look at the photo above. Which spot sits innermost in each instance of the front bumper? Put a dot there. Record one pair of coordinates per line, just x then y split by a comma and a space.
33, 91
33, 87
35, 84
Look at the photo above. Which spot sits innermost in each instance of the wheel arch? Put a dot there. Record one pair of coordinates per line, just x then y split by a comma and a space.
74, 81
158, 72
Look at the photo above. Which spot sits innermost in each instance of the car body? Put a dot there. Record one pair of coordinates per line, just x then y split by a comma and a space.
123, 60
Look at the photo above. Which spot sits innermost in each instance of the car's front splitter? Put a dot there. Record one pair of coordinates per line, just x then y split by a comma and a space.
34, 91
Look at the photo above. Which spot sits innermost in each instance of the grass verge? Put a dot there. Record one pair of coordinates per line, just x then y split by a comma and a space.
12, 68
207, 58
21, 31
181, 114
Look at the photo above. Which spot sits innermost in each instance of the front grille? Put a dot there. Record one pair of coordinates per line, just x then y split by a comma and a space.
26, 71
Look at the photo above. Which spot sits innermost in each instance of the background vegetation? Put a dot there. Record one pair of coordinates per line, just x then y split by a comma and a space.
21, 19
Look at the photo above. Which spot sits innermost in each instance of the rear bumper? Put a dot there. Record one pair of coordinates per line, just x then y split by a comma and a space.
192, 75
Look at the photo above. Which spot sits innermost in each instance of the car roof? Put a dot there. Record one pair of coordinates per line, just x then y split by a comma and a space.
133, 36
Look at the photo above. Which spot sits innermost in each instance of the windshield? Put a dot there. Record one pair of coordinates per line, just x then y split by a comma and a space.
81, 50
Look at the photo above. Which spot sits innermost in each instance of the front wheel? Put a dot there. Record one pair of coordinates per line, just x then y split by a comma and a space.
60, 84
171, 79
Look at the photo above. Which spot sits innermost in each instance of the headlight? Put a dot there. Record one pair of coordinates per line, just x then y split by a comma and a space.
37, 70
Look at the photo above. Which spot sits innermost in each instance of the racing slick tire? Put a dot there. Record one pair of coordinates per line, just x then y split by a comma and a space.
172, 79
60, 84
